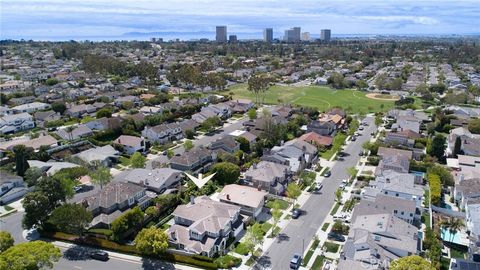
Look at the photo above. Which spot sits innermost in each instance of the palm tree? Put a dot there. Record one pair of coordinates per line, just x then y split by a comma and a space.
69, 130
453, 225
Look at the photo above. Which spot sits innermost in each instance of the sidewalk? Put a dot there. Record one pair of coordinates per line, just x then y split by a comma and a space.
121, 256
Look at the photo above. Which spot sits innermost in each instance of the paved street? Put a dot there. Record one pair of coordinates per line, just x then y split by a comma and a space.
13, 224
299, 232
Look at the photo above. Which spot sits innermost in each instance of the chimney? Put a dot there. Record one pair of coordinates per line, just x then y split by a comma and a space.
192, 199
228, 197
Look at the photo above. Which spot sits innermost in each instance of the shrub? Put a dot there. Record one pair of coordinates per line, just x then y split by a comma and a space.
241, 249
435, 189
228, 261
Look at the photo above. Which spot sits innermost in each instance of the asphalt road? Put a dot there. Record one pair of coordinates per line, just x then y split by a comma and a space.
79, 258
13, 224
299, 232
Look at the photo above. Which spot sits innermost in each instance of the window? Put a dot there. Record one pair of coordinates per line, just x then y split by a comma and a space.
395, 211
396, 195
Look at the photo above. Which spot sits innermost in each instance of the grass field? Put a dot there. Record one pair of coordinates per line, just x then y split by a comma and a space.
320, 97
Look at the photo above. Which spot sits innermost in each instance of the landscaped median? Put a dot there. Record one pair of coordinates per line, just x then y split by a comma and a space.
194, 260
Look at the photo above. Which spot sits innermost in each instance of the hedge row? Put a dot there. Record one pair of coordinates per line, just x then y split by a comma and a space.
195, 260
435, 189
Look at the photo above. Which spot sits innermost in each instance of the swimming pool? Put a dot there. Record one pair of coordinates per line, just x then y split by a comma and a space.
456, 238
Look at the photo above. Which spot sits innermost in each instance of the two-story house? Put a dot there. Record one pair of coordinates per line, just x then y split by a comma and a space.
197, 159
16, 123
251, 200
163, 133
203, 226
131, 144
269, 176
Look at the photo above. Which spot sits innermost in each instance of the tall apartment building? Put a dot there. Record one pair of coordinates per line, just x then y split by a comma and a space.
221, 34
268, 35
325, 35
232, 38
292, 34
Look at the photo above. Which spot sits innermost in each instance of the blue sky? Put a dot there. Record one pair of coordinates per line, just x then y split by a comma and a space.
63, 19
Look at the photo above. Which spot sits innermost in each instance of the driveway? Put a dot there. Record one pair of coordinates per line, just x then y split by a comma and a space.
299, 232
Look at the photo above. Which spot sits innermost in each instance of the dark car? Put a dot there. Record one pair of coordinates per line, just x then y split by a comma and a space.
296, 213
340, 159
99, 255
336, 237
327, 174
295, 261
360, 153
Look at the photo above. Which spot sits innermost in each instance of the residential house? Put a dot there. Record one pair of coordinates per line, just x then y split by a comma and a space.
11, 188
220, 110
317, 139
376, 240
43, 117
80, 110
465, 190
163, 133
405, 138
269, 176
322, 128
470, 143
106, 155
240, 105
36, 143
156, 180
80, 131
131, 144
251, 200
395, 184
112, 200
197, 159
31, 107
5, 111
105, 123
16, 123
135, 101
226, 144
384, 204
50, 167
204, 226
393, 159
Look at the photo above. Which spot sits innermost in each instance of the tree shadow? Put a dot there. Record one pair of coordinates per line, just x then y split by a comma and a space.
77, 253
263, 262
151, 264
281, 237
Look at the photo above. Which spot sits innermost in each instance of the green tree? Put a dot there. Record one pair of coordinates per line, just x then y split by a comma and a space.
244, 144
101, 176
337, 80
51, 81
22, 154
211, 123
126, 222
104, 113
254, 237
226, 173
259, 84
70, 218
352, 172
151, 241
457, 148
53, 189
59, 107
413, 262
474, 126
170, 153
188, 145
37, 208
6, 241
137, 160
338, 194
32, 175
436, 148
30, 256
189, 134
293, 191
252, 114
307, 178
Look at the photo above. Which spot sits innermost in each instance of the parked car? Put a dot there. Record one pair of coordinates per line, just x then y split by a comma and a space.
295, 261
340, 159
360, 153
296, 213
354, 138
327, 174
360, 128
99, 255
318, 186
336, 236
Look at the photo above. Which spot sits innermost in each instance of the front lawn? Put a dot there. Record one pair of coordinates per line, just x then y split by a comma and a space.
325, 226
335, 209
331, 247
283, 204
318, 263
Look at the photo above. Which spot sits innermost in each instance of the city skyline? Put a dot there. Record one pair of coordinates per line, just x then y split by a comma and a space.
56, 20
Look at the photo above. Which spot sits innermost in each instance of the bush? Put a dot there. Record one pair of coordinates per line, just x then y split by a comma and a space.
228, 261
283, 204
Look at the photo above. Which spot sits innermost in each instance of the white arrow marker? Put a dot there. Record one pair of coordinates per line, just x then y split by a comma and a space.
200, 181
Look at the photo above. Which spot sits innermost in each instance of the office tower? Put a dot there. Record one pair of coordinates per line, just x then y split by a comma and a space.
268, 35
292, 34
221, 34
153, 39
325, 35
305, 36
232, 38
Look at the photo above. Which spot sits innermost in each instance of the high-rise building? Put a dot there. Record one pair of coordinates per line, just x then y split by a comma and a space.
325, 35
232, 38
221, 34
292, 34
268, 35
